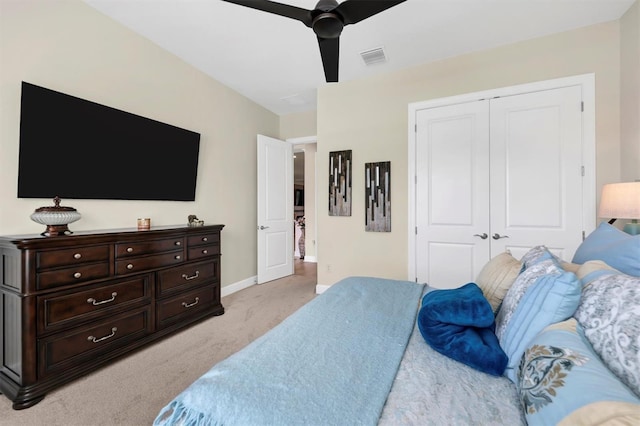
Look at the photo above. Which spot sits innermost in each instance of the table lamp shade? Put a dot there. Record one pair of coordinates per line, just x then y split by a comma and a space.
621, 201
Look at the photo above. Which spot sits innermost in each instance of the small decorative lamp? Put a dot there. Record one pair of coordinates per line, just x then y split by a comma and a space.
622, 201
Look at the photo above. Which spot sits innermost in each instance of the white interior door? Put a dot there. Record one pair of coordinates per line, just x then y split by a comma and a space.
536, 172
452, 187
275, 209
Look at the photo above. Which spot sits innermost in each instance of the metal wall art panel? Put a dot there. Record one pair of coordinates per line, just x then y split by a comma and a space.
378, 196
340, 183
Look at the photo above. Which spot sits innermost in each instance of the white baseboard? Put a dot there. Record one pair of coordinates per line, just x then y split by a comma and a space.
240, 285
311, 259
246, 283
321, 288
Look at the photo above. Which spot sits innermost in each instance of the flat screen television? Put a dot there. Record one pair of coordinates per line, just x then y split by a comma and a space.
75, 148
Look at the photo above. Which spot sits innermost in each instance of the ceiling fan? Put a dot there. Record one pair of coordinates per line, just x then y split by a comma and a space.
327, 20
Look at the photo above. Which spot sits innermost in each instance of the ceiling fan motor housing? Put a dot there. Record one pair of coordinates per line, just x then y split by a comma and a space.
327, 25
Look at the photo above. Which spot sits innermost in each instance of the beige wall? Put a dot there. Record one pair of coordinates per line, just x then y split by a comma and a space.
70, 47
369, 116
298, 125
630, 93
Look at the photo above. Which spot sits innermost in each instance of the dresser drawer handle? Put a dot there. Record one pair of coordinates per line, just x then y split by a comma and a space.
130, 266
178, 243
205, 251
77, 275
192, 277
77, 256
188, 305
178, 257
129, 249
94, 302
205, 239
96, 340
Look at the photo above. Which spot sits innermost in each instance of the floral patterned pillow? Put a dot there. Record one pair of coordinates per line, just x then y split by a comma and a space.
609, 312
560, 375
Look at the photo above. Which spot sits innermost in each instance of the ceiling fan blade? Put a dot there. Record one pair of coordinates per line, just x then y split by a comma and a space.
330, 52
353, 11
298, 13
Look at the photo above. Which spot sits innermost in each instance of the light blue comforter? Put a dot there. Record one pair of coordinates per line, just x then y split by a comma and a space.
332, 362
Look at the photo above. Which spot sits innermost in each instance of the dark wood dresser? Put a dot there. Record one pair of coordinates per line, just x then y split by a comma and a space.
70, 304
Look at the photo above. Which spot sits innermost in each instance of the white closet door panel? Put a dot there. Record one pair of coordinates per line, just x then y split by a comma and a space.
536, 181
452, 187
452, 265
451, 178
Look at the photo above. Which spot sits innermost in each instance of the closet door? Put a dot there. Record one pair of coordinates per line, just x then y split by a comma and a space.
536, 171
452, 193
510, 169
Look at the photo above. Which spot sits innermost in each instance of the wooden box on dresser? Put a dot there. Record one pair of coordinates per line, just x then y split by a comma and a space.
70, 304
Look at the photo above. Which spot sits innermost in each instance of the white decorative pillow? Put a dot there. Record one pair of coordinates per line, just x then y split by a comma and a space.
497, 276
609, 312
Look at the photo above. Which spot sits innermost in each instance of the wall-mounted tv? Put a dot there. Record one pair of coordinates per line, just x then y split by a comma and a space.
75, 148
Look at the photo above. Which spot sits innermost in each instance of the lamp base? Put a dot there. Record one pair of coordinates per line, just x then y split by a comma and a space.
56, 230
632, 228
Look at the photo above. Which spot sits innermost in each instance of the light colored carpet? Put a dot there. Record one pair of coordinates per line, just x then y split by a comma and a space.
134, 389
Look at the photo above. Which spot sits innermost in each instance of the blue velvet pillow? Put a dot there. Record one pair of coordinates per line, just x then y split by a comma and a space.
459, 323
561, 376
613, 246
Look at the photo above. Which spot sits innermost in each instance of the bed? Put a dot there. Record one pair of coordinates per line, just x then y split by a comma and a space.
352, 356
535, 341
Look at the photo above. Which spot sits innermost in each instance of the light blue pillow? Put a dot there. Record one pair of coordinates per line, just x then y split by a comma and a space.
553, 297
613, 246
560, 373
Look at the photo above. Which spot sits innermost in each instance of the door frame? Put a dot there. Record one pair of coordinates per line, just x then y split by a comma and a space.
587, 84
305, 140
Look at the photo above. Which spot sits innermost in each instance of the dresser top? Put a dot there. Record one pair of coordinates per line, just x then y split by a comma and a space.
106, 235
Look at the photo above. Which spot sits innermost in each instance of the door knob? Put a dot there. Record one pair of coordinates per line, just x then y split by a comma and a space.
498, 236
262, 227
483, 235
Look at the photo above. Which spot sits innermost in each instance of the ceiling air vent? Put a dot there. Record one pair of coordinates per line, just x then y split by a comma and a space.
373, 56
294, 100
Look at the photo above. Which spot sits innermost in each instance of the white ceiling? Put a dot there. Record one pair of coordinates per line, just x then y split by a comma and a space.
275, 61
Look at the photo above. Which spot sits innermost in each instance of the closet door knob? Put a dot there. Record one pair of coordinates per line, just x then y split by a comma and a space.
498, 236
484, 235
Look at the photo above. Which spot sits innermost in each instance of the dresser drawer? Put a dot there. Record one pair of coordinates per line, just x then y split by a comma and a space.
71, 308
203, 251
84, 344
148, 247
67, 276
183, 277
138, 264
193, 303
195, 240
74, 256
